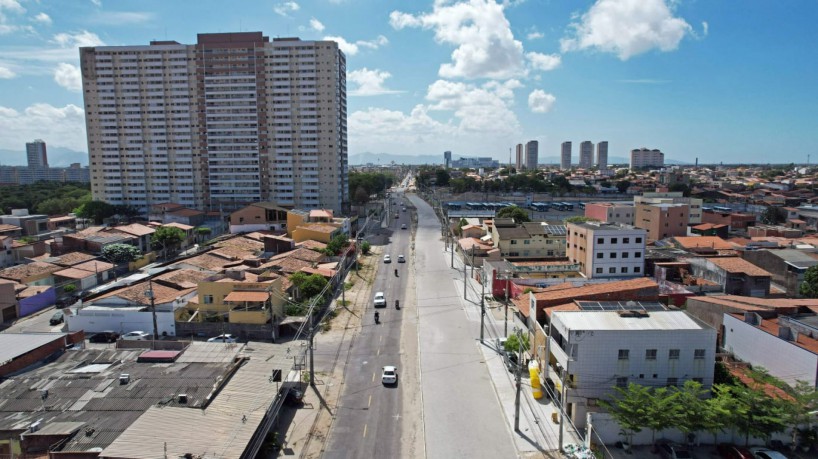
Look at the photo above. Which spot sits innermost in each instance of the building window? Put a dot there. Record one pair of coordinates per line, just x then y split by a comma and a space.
622, 382
674, 354
611, 270
599, 270
637, 254
637, 269
698, 354
699, 380
650, 354
600, 255
513, 242
624, 254
672, 382
208, 299
600, 240
626, 240
624, 270
639, 240
526, 242
624, 354
614, 240
613, 255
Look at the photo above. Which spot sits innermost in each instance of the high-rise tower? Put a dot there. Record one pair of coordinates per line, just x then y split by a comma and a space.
231, 120
532, 155
602, 155
36, 154
586, 154
565, 156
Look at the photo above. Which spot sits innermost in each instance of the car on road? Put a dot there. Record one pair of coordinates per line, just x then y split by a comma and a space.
766, 453
730, 451
389, 375
137, 335
403, 226
224, 338
401, 259
57, 318
397, 216
380, 300
387, 259
104, 337
669, 450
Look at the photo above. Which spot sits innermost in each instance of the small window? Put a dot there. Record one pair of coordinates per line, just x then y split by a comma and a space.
637, 269
624, 354
623, 269
208, 299
612, 270
626, 240
513, 241
599, 270
673, 355
526, 242
637, 254
650, 354
672, 382
614, 240
600, 240
613, 255
639, 240
600, 255
698, 354
622, 382
624, 254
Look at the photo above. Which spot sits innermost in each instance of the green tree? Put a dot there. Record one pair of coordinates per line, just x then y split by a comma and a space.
663, 410
121, 253
308, 285
630, 409
96, 211
773, 215
798, 408
809, 288
623, 185
366, 247
57, 206
579, 219
512, 344
442, 177
717, 410
337, 245
202, 233
167, 238
691, 407
752, 411
517, 213
70, 288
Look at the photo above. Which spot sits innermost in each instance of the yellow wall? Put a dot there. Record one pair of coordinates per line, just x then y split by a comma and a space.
146, 259
302, 234
219, 290
294, 220
249, 317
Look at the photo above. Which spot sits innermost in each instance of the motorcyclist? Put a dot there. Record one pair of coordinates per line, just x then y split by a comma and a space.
396, 272
377, 317
397, 304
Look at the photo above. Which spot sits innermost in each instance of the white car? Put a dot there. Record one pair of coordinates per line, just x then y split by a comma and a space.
225, 338
136, 336
380, 300
401, 259
389, 375
764, 453
387, 259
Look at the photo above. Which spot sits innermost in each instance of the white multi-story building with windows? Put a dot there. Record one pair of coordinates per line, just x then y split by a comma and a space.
603, 345
234, 119
643, 157
565, 156
606, 249
586, 154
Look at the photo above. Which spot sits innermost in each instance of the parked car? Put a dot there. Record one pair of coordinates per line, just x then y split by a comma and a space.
57, 318
670, 450
380, 300
397, 216
137, 335
403, 226
223, 338
760, 452
401, 259
104, 337
387, 259
510, 359
729, 451
389, 375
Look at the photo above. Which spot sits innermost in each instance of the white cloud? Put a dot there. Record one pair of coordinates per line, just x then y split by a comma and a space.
540, 101
77, 39
13, 7
627, 28
544, 62
380, 129
316, 25
285, 8
60, 126
97, 2
123, 17
68, 76
705, 28
6, 73
42, 18
480, 109
351, 49
484, 44
535, 35
370, 82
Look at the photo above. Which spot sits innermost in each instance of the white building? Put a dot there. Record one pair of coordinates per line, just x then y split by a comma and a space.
586, 154
602, 155
532, 155
782, 346
594, 351
233, 119
519, 157
643, 157
565, 156
606, 249
36, 154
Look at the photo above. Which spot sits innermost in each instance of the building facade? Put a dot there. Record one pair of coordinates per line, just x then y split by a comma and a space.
528, 240
643, 157
447, 159
674, 197
519, 158
586, 154
233, 119
662, 220
602, 155
36, 154
532, 155
565, 156
611, 212
606, 249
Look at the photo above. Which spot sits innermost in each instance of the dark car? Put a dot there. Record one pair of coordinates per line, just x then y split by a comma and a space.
670, 450
510, 359
104, 337
729, 451
57, 318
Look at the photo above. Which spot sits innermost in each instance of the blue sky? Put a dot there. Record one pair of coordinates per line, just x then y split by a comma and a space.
714, 79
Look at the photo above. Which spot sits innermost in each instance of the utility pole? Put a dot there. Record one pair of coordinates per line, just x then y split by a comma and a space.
472, 260
482, 305
564, 394
312, 360
465, 277
505, 326
453, 249
153, 312
519, 383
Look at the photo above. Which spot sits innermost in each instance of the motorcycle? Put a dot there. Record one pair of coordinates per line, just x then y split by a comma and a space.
397, 304
377, 318
396, 273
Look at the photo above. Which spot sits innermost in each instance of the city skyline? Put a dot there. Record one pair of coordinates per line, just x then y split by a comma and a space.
472, 77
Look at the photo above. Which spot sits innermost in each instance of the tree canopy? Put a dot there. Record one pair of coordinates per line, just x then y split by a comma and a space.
809, 288
308, 285
337, 245
519, 214
121, 253
63, 197
362, 185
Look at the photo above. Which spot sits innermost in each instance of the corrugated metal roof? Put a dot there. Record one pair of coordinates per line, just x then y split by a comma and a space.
13, 345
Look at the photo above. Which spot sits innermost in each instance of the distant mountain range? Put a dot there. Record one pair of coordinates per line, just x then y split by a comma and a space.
57, 157
386, 158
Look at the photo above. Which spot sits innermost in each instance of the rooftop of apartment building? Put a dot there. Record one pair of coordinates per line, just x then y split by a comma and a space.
628, 320
607, 226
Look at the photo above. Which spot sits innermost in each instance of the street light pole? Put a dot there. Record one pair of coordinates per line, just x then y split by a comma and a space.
505, 327
153, 310
519, 383
482, 305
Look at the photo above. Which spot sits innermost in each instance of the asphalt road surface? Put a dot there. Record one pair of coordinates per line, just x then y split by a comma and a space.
370, 415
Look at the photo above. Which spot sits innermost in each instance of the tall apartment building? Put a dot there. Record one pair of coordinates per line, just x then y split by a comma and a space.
519, 159
642, 157
606, 249
532, 155
586, 154
230, 120
36, 154
662, 220
565, 156
447, 159
602, 155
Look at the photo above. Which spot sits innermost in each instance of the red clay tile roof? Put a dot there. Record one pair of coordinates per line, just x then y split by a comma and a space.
136, 294
20, 272
94, 266
714, 242
247, 296
310, 244
4, 228
561, 307
320, 213
185, 212
183, 278
739, 265
135, 229
741, 372
179, 225
319, 271
563, 295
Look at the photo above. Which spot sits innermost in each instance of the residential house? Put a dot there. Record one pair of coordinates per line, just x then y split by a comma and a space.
64, 222
734, 220
8, 301
36, 273
95, 238
674, 197
787, 266
774, 231
184, 216
711, 229
32, 225
606, 249
528, 240
141, 233
259, 216
240, 297
735, 275
12, 231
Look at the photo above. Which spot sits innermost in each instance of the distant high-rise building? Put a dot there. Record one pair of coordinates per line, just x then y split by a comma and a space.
447, 159
565, 157
520, 158
602, 155
233, 119
36, 154
642, 157
586, 154
532, 155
